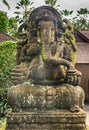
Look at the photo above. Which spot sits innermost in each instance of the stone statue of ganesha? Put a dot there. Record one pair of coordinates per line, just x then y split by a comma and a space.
45, 77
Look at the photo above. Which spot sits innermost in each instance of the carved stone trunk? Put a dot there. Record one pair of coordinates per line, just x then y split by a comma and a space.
46, 120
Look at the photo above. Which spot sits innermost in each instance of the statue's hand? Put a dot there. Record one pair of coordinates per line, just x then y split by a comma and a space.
73, 77
19, 75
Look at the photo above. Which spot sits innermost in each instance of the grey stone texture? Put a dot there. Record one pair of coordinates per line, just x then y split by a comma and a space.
46, 120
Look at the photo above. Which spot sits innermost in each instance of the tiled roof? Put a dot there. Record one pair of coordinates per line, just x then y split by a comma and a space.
6, 37
85, 33
83, 52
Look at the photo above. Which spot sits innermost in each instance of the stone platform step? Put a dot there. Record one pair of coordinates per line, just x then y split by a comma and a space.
46, 120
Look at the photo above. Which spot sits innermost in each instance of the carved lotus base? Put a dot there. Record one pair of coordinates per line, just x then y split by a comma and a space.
46, 120
26, 97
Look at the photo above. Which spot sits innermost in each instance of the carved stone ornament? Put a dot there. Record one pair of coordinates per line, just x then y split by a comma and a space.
45, 77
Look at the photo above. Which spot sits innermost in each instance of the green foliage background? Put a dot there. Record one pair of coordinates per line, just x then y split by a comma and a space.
7, 61
3, 21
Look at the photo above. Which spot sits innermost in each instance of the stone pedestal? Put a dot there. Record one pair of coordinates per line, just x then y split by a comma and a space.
46, 120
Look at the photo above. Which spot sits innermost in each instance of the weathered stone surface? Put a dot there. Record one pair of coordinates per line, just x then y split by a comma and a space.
25, 96
46, 120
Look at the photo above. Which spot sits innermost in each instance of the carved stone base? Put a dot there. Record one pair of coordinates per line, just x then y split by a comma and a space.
25, 96
46, 120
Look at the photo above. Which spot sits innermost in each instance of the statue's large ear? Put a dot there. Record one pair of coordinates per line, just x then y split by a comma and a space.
23, 29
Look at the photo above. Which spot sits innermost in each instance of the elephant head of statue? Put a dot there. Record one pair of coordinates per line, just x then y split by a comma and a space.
43, 46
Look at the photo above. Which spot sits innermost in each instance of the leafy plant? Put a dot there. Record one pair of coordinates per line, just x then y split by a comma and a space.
81, 22
24, 8
51, 2
12, 27
7, 62
3, 103
66, 12
8, 25
3, 21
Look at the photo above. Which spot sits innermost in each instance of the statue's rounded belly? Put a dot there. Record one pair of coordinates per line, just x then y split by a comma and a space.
47, 75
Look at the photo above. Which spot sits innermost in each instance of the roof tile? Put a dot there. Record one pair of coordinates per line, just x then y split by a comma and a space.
83, 52
6, 37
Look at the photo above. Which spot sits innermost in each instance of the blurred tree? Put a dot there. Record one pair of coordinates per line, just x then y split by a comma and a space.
66, 12
83, 12
25, 7
81, 21
3, 22
12, 27
50, 2
8, 25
